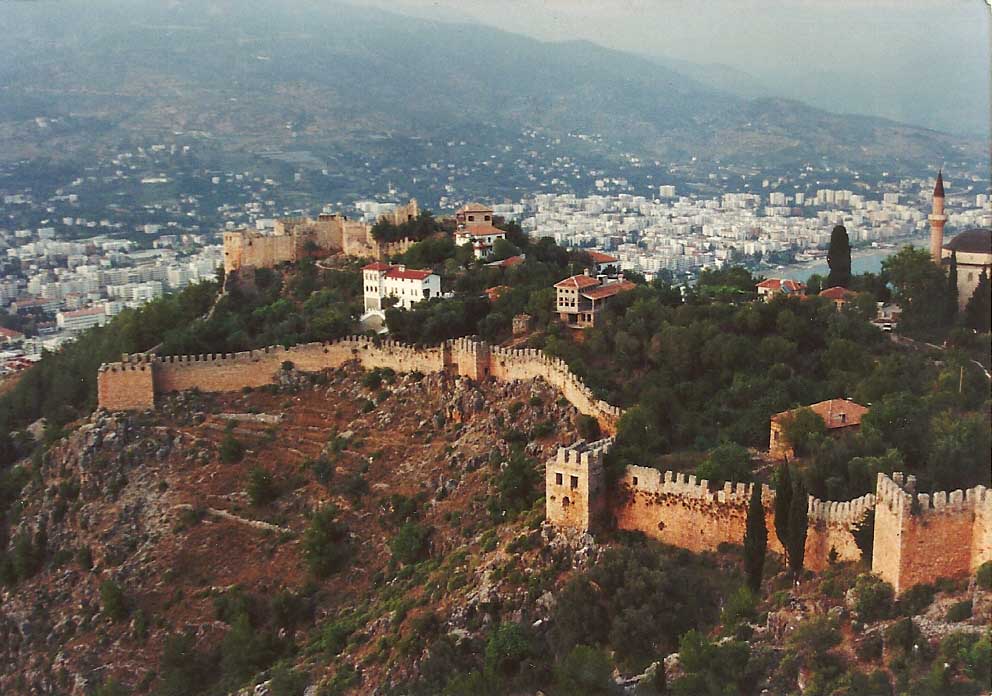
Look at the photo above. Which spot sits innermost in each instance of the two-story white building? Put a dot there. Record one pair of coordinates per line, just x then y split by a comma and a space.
408, 286
475, 227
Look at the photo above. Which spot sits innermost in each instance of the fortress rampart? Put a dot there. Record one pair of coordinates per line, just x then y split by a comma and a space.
940, 536
920, 537
917, 537
133, 383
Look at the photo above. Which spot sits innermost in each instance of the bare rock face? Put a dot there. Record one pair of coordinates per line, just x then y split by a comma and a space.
146, 503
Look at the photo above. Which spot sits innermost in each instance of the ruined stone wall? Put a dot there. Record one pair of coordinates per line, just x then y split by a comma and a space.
331, 234
921, 537
243, 248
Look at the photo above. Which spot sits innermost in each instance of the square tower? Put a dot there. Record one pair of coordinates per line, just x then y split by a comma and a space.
575, 486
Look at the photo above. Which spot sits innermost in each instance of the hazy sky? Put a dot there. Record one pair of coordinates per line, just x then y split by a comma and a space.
921, 61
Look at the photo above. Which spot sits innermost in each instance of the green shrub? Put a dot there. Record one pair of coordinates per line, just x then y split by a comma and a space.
322, 469
231, 449
984, 575
113, 600
916, 599
261, 488
959, 611
869, 648
84, 557
506, 653
585, 670
588, 428
286, 682
410, 545
902, 636
970, 654
111, 687
325, 542
872, 598
740, 607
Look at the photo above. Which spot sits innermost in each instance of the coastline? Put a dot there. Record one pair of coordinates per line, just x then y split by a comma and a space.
863, 260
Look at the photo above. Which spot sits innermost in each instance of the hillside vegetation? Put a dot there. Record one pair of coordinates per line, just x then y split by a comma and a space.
373, 531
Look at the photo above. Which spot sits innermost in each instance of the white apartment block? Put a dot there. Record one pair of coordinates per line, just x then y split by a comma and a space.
81, 319
407, 286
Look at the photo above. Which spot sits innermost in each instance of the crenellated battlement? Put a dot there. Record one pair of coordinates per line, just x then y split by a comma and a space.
849, 512
214, 372
582, 454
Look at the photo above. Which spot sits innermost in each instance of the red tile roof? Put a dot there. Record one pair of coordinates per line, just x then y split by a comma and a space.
89, 312
506, 263
604, 291
787, 284
837, 293
836, 413
600, 257
10, 333
577, 281
474, 208
407, 274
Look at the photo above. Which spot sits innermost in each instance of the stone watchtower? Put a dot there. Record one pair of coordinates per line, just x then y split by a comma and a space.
575, 484
937, 220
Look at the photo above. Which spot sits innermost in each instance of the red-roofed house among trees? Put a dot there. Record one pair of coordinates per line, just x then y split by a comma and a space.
475, 227
839, 296
772, 287
408, 286
839, 416
605, 264
581, 298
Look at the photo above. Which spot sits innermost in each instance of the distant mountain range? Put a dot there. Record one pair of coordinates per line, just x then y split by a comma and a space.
242, 71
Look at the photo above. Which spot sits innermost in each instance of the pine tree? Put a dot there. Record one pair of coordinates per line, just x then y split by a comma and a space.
783, 500
755, 539
952, 289
798, 526
839, 258
978, 311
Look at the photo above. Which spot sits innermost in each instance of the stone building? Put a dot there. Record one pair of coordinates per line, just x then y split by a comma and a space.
972, 251
839, 416
475, 227
298, 238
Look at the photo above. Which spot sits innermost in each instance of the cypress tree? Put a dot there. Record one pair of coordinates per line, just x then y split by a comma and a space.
783, 500
755, 539
839, 258
798, 526
978, 311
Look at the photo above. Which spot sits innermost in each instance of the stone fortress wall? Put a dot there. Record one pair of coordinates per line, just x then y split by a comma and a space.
913, 543
924, 536
917, 537
329, 233
134, 382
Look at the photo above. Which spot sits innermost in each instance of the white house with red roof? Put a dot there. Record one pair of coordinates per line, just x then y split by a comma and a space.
481, 237
407, 285
772, 287
605, 264
475, 227
579, 300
